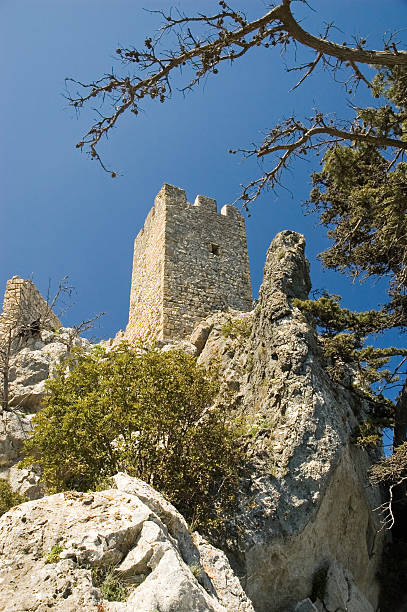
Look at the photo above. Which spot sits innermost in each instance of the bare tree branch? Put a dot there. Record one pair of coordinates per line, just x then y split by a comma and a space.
230, 37
386, 509
295, 139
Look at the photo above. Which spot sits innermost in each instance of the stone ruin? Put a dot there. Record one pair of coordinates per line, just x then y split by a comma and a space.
25, 310
307, 507
189, 262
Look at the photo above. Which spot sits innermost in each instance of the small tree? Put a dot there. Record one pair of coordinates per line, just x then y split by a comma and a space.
8, 498
148, 413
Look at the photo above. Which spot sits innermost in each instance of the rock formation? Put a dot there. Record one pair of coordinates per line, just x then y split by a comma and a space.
71, 550
304, 536
31, 361
306, 509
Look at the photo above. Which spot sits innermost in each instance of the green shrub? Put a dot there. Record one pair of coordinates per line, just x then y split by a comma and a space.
146, 413
9, 499
235, 328
366, 435
196, 570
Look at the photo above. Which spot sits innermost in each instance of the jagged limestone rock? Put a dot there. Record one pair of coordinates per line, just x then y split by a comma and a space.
59, 551
307, 502
217, 576
27, 482
15, 427
32, 361
200, 334
342, 592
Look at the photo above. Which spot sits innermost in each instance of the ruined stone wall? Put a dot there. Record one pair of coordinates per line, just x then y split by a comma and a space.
23, 304
189, 261
146, 296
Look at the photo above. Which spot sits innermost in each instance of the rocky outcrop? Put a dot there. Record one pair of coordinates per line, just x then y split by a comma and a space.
123, 549
31, 361
304, 536
307, 507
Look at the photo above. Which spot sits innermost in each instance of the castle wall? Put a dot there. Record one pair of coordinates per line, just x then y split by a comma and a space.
206, 263
146, 296
189, 261
23, 304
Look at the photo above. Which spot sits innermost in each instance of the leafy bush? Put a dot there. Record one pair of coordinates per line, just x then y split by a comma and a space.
196, 570
147, 413
8, 498
233, 328
366, 435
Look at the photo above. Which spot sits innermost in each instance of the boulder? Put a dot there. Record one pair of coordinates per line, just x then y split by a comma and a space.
27, 482
110, 551
34, 360
15, 427
200, 334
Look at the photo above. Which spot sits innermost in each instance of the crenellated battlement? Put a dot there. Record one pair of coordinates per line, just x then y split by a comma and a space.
189, 260
171, 196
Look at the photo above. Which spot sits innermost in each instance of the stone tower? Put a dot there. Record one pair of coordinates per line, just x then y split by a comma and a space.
189, 261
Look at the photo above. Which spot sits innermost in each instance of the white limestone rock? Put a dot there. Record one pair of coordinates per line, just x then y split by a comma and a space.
53, 547
308, 502
15, 427
34, 360
200, 334
227, 585
179, 345
342, 592
27, 482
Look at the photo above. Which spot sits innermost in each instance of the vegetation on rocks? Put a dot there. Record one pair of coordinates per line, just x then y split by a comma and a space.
360, 192
238, 327
111, 586
53, 555
148, 413
8, 498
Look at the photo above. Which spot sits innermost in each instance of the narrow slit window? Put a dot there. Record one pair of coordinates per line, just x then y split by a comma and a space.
214, 249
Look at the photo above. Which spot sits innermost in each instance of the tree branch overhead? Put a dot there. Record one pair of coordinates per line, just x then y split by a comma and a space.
229, 36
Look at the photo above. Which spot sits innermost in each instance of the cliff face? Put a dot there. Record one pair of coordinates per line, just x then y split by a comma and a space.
304, 526
306, 509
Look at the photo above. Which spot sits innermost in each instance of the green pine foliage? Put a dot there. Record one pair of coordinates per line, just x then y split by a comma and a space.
360, 195
148, 413
350, 361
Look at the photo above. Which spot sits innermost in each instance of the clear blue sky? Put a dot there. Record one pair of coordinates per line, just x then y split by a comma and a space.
61, 214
